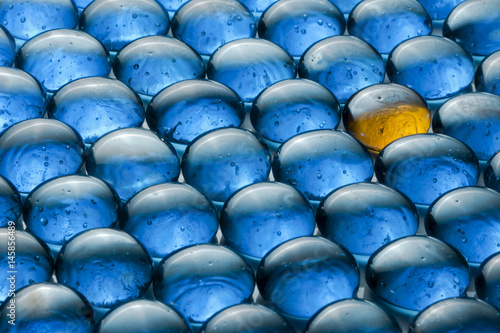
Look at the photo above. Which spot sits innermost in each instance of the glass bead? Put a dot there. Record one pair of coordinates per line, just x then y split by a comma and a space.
237, 156
61, 208
318, 162
382, 113
424, 166
261, 216
168, 217
439, 9
364, 216
47, 308
434, 66
108, 266
60, 56
488, 280
472, 118
10, 203
152, 63
488, 74
301, 276
201, 280
353, 315
492, 172
292, 107
132, 159
7, 48
250, 65
143, 316
37, 150
258, 6
343, 64
187, 109
95, 106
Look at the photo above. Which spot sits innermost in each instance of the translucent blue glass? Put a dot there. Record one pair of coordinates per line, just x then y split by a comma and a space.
7, 48
343, 64
95, 106
386, 23
248, 66
318, 162
116, 23
81, 4
201, 280
488, 74
472, 118
152, 63
364, 216
492, 172
168, 217
47, 308
416, 271
424, 166
488, 280
10, 203
224, 160
37, 150
258, 6
60, 56
434, 66
25, 259
143, 316
172, 5
132, 159
345, 6
185, 110
301, 276
439, 9
261, 216
472, 24
61, 208
108, 266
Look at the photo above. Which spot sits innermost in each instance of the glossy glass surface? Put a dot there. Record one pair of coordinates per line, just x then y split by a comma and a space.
10, 202
257, 5
439, 9
172, 5
488, 74
7, 48
488, 280
492, 172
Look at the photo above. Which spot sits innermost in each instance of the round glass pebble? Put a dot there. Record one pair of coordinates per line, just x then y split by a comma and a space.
168, 217
10, 203
318, 162
47, 308
237, 156
488, 74
60, 56
439, 9
434, 66
108, 266
37, 150
132, 159
492, 172
185, 110
488, 280
343, 64
250, 65
61, 208
7, 48
152, 63
424, 166
382, 113
95, 106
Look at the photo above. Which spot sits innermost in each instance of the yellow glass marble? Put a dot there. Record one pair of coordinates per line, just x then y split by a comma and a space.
382, 113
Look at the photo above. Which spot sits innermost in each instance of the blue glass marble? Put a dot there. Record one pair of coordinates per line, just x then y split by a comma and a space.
492, 172
95, 106
60, 56
416, 271
261, 216
364, 216
434, 66
439, 9
152, 63
32, 261
7, 48
353, 315
386, 23
237, 156
424, 166
301, 276
247, 318
10, 203
37, 150
185, 110
345, 6
343, 64
488, 74
473, 24
201, 280
47, 308
258, 6
488, 280
472, 118
168, 217
318, 162
143, 316
116, 22
464, 315
132, 159
61, 208
108, 266
250, 65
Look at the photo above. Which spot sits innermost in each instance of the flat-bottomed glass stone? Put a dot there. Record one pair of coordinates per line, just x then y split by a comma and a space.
492, 172
488, 74
7, 48
10, 203
488, 280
